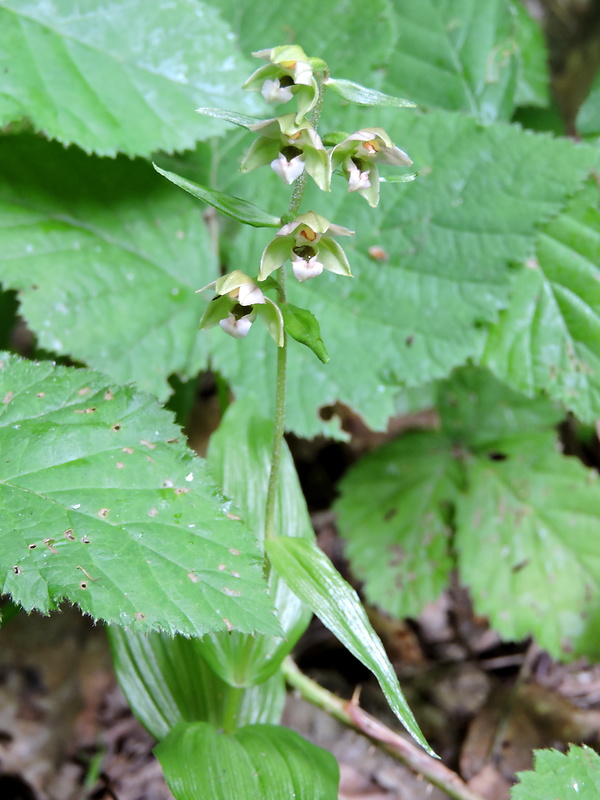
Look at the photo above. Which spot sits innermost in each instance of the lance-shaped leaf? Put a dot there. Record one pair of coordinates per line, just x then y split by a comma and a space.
118, 77
570, 776
312, 576
241, 120
528, 545
234, 207
258, 761
167, 681
102, 503
363, 96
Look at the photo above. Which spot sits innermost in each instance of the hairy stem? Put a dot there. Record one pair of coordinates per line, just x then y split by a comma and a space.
349, 713
280, 381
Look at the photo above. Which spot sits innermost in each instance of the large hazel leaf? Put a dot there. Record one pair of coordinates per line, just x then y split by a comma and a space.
106, 256
460, 55
118, 77
394, 515
311, 575
566, 776
101, 504
166, 681
528, 546
441, 248
549, 337
258, 761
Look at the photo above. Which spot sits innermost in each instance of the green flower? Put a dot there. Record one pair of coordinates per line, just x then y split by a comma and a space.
306, 241
288, 73
289, 149
358, 156
237, 304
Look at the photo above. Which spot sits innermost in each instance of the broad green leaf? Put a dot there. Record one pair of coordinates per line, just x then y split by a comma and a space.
312, 576
528, 545
477, 410
304, 328
460, 55
363, 96
549, 337
258, 761
239, 458
103, 504
588, 116
533, 83
234, 207
394, 515
118, 77
442, 248
355, 42
106, 257
565, 776
166, 681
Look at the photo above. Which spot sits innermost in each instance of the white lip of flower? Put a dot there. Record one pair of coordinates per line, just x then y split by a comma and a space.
303, 269
238, 328
288, 171
274, 92
356, 179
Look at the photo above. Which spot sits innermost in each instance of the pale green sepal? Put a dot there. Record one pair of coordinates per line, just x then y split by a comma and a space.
215, 311
333, 258
362, 96
242, 120
317, 165
304, 327
275, 254
312, 576
261, 152
273, 319
234, 207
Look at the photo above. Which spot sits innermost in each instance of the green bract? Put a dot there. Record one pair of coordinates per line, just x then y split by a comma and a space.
290, 148
289, 73
358, 156
306, 241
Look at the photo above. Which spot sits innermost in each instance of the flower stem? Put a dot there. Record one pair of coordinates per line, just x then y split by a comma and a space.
280, 381
349, 713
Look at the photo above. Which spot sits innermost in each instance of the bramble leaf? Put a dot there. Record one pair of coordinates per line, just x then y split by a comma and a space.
549, 337
106, 257
569, 776
118, 77
102, 504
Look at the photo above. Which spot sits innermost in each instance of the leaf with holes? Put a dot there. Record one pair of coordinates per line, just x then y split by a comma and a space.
106, 256
394, 515
528, 546
460, 55
432, 265
118, 77
549, 337
101, 504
